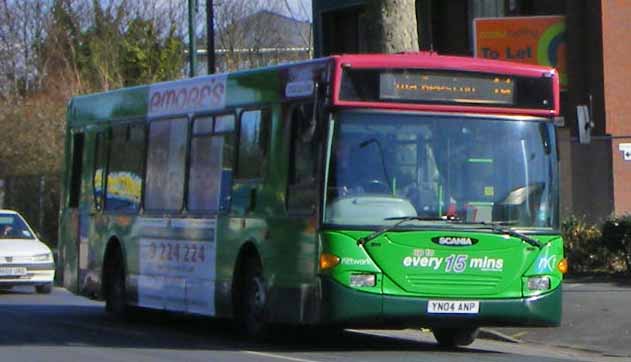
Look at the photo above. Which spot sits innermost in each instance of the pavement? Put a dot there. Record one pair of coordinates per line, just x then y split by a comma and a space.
596, 318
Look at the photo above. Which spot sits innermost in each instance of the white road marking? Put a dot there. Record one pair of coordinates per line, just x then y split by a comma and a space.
572, 285
271, 355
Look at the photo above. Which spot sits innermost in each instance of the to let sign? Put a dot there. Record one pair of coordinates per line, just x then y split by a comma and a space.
533, 40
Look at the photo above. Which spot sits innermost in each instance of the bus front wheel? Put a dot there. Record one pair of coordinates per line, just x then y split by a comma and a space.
454, 337
253, 300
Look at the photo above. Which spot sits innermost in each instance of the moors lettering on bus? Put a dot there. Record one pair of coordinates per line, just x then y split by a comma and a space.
204, 95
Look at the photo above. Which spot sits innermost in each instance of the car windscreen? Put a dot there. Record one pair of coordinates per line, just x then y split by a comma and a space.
13, 227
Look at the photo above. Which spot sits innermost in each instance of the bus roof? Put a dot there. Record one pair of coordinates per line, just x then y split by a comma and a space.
451, 66
215, 93
431, 60
208, 93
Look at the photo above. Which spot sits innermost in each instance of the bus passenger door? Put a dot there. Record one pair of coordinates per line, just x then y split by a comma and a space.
297, 232
303, 160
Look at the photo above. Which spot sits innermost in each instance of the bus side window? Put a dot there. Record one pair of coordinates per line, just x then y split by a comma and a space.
303, 155
254, 133
123, 186
210, 164
166, 161
75, 172
100, 169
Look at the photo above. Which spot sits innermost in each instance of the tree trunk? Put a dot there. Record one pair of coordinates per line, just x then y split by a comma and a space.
391, 26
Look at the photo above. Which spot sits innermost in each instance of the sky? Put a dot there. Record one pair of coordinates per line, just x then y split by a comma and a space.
301, 9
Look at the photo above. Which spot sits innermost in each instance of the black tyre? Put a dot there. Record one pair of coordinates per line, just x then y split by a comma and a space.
44, 288
253, 300
115, 288
454, 337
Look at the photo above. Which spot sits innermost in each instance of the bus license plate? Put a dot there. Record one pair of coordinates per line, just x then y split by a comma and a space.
453, 307
12, 272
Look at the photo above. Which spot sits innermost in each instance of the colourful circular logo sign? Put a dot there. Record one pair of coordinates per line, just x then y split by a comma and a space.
529, 39
551, 49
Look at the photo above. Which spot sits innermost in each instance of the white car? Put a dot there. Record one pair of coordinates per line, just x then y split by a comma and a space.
24, 260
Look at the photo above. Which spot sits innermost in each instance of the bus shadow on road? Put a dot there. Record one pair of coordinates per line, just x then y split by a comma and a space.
209, 334
87, 325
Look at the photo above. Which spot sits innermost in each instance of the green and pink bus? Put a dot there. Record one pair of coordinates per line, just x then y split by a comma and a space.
377, 191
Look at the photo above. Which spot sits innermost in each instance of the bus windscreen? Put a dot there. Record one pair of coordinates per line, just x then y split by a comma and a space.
446, 87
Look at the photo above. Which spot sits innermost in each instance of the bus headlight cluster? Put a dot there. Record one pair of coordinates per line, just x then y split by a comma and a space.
539, 283
363, 280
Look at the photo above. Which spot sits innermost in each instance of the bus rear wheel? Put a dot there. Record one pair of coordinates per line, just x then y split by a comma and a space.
454, 337
115, 289
253, 300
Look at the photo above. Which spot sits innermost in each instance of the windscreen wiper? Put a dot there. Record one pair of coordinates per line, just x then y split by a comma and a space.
499, 228
496, 227
402, 219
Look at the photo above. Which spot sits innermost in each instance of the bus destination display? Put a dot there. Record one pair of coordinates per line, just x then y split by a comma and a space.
446, 87
423, 86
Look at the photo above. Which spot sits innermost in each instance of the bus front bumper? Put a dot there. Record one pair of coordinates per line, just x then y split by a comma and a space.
355, 309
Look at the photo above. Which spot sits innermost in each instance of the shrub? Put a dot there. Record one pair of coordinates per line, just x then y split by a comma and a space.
583, 247
616, 236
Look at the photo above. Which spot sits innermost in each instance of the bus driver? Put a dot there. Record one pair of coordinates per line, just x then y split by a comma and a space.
344, 179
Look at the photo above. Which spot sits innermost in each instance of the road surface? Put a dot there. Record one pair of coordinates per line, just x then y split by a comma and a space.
63, 327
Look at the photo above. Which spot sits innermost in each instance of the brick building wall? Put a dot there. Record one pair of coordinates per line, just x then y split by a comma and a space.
616, 23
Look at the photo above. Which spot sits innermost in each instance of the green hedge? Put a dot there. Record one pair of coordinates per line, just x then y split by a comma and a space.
616, 236
602, 248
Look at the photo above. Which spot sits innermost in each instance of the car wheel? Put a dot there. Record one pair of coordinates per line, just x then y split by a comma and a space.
253, 300
115, 303
44, 288
453, 337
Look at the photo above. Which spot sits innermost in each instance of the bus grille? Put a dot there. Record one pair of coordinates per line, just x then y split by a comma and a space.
460, 284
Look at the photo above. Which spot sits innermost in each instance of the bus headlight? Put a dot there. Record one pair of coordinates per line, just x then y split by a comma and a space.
363, 280
539, 283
